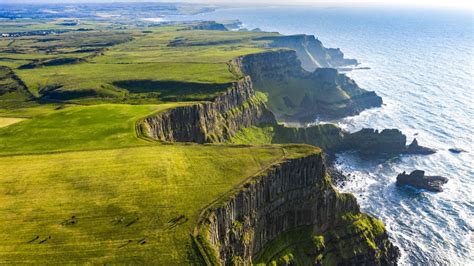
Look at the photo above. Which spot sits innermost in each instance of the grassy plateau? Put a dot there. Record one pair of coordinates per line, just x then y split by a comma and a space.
78, 185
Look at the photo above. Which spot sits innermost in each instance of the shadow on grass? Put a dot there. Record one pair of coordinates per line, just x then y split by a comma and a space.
174, 90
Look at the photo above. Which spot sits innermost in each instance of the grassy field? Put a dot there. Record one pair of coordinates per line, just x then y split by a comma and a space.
130, 205
77, 186
78, 65
78, 127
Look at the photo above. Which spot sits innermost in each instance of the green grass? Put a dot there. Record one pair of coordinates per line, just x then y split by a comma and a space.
294, 245
161, 187
327, 136
30, 109
254, 135
148, 58
353, 236
78, 127
99, 77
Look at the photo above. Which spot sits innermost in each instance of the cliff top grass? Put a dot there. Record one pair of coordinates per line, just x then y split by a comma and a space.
91, 64
92, 201
102, 126
129, 205
78, 186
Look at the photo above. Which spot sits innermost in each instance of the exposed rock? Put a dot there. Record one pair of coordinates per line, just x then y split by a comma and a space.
418, 179
371, 142
323, 93
290, 195
215, 121
414, 148
310, 51
456, 150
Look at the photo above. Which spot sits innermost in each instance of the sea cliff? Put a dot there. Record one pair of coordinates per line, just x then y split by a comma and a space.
214, 121
295, 194
310, 51
299, 95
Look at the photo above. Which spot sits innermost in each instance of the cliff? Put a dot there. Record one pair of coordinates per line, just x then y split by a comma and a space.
293, 199
310, 51
215, 121
298, 95
294, 195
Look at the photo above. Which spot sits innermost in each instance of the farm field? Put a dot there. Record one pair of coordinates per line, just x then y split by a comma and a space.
119, 205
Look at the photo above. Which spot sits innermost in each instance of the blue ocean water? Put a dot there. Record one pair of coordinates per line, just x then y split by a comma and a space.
421, 63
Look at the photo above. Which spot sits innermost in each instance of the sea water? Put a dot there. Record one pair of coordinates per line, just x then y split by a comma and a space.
421, 63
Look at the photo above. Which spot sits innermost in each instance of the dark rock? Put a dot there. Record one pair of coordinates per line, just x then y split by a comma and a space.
418, 179
390, 142
311, 52
414, 148
214, 121
281, 75
456, 150
369, 141
289, 195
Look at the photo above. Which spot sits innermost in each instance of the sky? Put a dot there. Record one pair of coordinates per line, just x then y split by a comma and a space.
469, 4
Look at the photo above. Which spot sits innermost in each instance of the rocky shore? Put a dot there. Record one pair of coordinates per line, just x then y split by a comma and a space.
418, 179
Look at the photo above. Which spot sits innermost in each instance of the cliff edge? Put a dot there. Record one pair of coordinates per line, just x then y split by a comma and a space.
298, 95
292, 215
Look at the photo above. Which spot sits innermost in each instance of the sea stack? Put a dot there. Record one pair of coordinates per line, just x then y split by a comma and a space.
418, 179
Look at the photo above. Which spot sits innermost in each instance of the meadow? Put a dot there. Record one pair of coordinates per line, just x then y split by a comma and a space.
129, 205
78, 65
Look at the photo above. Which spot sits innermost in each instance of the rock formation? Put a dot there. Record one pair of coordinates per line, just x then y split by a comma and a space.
456, 150
215, 121
293, 194
418, 179
414, 148
310, 51
371, 142
298, 95
290, 195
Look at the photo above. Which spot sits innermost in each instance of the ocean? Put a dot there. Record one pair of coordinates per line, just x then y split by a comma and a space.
421, 63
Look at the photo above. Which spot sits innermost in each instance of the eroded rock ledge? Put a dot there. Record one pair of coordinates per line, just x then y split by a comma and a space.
294, 194
215, 121
299, 95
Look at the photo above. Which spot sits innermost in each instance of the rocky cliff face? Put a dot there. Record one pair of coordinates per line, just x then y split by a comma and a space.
298, 95
214, 121
310, 51
293, 194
